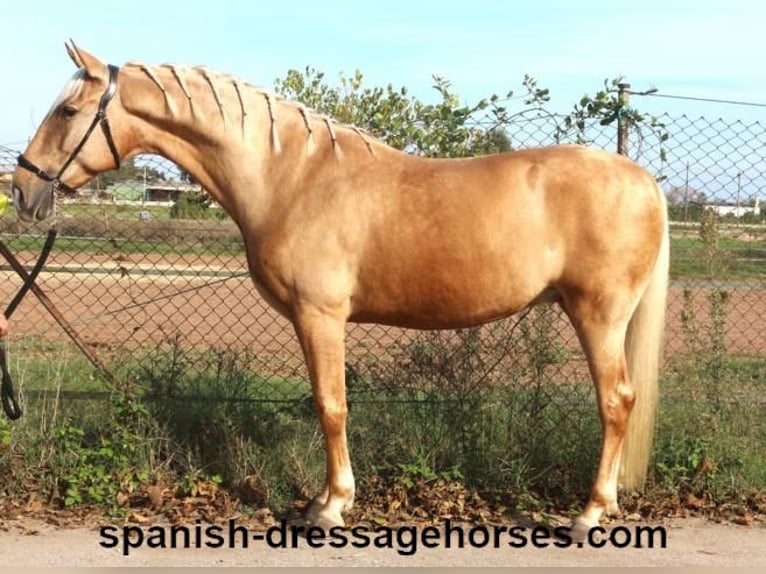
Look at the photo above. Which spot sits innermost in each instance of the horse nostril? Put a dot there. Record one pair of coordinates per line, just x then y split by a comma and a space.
18, 197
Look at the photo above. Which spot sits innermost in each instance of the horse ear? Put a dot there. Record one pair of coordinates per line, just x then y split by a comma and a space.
71, 49
94, 67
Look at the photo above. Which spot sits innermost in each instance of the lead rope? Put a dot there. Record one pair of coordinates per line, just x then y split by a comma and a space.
7, 392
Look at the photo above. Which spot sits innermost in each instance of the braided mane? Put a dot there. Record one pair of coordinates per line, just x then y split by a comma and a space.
218, 83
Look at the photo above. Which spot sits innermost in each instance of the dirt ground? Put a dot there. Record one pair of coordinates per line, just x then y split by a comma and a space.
690, 542
209, 301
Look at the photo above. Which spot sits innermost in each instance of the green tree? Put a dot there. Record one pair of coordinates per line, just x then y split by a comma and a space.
195, 205
606, 107
450, 128
446, 128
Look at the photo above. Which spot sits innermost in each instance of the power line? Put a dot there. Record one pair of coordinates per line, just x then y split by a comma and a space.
697, 99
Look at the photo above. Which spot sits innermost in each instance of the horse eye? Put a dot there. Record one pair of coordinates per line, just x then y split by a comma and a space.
68, 111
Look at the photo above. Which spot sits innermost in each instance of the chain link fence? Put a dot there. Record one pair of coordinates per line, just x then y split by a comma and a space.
147, 271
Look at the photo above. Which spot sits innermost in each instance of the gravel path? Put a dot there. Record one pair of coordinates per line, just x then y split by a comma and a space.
690, 542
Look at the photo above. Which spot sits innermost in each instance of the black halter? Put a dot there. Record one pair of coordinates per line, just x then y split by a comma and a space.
100, 118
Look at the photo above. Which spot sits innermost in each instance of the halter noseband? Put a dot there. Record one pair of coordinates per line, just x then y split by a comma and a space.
101, 119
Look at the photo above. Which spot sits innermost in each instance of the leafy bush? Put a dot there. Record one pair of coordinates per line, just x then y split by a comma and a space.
195, 205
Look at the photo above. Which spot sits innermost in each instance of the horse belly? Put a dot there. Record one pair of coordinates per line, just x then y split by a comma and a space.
451, 293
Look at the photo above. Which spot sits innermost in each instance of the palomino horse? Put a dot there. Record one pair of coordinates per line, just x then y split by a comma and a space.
339, 227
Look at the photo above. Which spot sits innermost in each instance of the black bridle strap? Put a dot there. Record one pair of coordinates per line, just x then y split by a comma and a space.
29, 166
99, 119
106, 97
7, 393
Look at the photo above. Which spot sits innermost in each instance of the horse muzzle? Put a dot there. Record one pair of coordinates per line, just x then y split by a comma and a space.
34, 205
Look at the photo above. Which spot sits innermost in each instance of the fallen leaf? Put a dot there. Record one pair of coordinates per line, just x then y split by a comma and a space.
138, 518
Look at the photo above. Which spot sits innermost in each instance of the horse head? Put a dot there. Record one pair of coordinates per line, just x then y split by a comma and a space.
62, 154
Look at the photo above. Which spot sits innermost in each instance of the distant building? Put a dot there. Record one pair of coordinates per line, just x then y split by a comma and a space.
724, 209
133, 190
168, 192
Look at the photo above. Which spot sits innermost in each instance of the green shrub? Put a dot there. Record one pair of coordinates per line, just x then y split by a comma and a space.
195, 205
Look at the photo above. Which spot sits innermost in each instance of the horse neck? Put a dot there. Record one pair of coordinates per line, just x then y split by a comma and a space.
209, 124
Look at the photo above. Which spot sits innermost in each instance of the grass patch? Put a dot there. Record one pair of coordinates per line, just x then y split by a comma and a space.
712, 436
714, 249
498, 409
527, 445
107, 211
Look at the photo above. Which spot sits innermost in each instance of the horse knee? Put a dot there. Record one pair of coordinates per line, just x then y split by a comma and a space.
332, 416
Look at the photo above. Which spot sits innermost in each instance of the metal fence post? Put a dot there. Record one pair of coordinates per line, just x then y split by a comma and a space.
623, 96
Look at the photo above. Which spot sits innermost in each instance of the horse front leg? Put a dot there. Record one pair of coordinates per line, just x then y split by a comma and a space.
321, 335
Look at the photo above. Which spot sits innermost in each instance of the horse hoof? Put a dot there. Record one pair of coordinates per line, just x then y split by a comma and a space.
311, 513
325, 523
613, 511
579, 531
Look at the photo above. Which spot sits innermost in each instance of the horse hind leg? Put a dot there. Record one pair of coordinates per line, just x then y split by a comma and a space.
602, 329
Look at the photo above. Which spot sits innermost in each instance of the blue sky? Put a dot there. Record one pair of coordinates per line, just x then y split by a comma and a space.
696, 48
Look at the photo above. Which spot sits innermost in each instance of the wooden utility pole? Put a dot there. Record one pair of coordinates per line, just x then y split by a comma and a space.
623, 94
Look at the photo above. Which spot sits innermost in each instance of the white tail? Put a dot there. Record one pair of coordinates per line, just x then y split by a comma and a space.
643, 348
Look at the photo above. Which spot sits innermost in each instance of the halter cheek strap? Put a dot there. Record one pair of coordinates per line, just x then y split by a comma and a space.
99, 119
